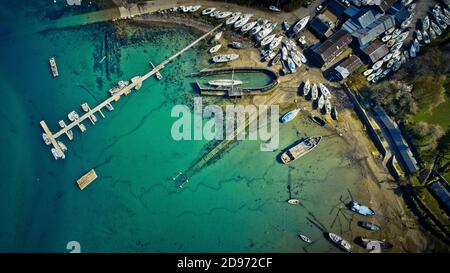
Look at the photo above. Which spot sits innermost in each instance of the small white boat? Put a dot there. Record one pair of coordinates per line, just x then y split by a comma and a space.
208, 11
321, 102
194, 8
46, 139
325, 92
267, 40
328, 106
426, 23
306, 88
225, 58
402, 37
314, 92
296, 59
436, 29
396, 33
217, 36
378, 72
300, 25
305, 238
242, 21
419, 35
284, 53
412, 51
377, 64
302, 57
225, 82
343, 244
248, 26
255, 30
390, 63
214, 49
432, 34
215, 13
412, 7
291, 65
405, 23
367, 72
231, 20
371, 77
223, 15
389, 31
386, 38
274, 8
416, 45
275, 42
387, 57
425, 37
294, 201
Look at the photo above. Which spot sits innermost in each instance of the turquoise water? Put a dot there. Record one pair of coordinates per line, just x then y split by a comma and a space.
235, 204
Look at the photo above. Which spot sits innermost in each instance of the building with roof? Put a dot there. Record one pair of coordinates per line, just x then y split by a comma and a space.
399, 12
441, 191
406, 158
321, 27
374, 51
347, 67
336, 7
324, 53
371, 32
362, 19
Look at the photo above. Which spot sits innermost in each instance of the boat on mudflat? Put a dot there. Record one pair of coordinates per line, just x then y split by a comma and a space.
300, 25
293, 201
343, 244
305, 238
214, 49
369, 226
361, 209
306, 88
314, 92
224, 58
289, 115
236, 45
300, 149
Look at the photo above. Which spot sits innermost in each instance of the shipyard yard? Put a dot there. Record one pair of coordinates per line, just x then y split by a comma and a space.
305, 62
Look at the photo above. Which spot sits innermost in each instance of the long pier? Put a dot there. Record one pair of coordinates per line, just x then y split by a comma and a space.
136, 83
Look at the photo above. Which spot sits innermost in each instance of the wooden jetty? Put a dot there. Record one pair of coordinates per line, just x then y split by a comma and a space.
136, 83
86, 179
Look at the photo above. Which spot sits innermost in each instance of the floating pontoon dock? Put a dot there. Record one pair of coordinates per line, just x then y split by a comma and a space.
136, 83
86, 179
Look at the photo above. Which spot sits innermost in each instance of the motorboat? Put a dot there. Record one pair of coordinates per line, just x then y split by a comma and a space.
361, 209
214, 49
300, 149
289, 115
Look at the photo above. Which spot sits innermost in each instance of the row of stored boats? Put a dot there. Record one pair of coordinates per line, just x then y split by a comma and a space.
262, 32
432, 26
372, 244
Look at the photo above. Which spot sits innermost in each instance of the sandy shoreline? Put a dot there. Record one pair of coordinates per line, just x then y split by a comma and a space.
400, 226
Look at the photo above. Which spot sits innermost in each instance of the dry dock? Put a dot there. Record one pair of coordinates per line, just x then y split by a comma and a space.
136, 83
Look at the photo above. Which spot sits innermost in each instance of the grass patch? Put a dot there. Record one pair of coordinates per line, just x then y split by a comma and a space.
428, 199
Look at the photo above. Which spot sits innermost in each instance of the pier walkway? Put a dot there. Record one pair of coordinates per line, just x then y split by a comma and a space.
136, 83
